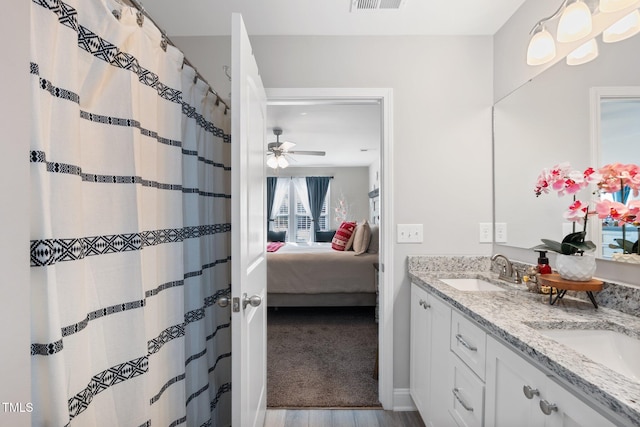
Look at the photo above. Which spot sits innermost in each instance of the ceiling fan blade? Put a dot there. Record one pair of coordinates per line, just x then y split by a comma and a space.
286, 145
308, 153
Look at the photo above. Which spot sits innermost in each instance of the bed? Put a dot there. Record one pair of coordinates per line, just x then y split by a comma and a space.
314, 274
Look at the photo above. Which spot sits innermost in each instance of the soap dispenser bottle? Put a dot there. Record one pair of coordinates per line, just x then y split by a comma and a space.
543, 263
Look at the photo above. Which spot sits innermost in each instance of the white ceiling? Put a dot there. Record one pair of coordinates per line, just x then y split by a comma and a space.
330, 17
349, 134
342, 131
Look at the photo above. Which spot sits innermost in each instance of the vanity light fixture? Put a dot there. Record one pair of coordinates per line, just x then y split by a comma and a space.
608, 6
542, 47
576, 23
583, 54
627, 27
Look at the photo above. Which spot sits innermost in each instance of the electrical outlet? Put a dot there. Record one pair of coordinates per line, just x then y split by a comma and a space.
501, 232
409, 233
486, 232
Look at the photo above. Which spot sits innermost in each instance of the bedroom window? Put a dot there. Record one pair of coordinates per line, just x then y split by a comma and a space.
292, 217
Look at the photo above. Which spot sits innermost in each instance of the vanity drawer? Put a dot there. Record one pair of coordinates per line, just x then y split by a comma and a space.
469, 342
467, 396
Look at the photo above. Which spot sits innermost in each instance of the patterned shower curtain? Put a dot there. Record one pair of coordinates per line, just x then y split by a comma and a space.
130, 231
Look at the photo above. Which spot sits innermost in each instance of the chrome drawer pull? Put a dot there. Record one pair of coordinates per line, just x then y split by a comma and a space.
462, 341
456, 393
530, 392
547, 408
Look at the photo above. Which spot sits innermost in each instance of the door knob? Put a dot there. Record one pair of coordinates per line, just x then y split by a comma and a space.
254, 301
223, 301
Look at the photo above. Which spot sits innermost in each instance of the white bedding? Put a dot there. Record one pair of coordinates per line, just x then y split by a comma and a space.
304, 248
315, 268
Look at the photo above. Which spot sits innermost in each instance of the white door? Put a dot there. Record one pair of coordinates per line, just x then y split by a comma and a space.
248, 251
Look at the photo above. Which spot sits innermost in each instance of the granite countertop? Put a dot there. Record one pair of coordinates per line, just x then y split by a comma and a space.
513, 316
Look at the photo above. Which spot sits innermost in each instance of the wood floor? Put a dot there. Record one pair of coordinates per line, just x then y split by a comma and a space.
341, 418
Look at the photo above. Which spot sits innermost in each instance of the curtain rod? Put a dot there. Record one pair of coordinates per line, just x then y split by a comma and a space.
138, 5
299, 176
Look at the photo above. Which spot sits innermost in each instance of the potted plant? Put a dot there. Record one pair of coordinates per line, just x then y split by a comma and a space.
576, 260
620, 181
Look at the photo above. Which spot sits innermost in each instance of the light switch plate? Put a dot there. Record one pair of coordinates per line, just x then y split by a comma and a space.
486, 232
409, 233
501, 232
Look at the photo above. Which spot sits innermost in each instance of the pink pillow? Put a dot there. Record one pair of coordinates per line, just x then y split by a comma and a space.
344, 236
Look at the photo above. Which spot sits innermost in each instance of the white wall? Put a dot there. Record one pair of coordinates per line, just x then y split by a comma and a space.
350, 182
15, 377
443, 93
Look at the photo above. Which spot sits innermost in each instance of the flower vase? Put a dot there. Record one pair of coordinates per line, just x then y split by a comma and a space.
575, 267
630, 258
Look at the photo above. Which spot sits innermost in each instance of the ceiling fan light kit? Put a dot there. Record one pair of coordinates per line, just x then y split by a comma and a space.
277, 152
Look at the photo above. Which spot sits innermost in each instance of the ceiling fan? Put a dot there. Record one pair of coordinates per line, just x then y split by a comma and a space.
278, 152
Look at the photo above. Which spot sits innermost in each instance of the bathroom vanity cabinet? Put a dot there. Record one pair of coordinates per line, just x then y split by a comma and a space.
461, 373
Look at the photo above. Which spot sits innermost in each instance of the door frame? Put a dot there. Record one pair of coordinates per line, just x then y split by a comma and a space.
387, 293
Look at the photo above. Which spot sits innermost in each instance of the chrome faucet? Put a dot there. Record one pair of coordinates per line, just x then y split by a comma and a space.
506, 273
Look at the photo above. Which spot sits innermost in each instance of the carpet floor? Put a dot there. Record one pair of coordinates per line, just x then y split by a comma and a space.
321, 357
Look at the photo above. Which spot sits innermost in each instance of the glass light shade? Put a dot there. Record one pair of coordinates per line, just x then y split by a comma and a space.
575, 22
608, 6
272, 162
282, 162
623, 29
542, 48
585, 53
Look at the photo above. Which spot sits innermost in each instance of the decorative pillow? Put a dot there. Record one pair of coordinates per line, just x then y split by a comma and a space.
374, 243
276, 236
344, 235
361, 237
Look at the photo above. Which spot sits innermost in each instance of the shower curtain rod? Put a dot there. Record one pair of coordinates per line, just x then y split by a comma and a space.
138, 5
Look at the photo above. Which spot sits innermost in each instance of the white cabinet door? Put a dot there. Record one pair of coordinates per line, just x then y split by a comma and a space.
512, 390
419, 354
430, 378
517, 393
570, 411
440, 378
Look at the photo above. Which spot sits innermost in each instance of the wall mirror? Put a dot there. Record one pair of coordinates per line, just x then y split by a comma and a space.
584, 115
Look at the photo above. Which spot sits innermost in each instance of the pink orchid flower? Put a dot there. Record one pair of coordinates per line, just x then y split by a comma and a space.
633, 214
576, 213
614, 210
562, 179
617, 175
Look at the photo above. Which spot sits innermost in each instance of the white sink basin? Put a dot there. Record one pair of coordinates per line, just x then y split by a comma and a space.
615, 350
471, 285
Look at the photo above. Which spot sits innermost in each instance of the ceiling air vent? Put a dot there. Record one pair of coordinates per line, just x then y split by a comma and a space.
362, 5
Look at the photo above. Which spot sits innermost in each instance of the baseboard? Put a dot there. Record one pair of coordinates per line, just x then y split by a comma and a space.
402, 400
